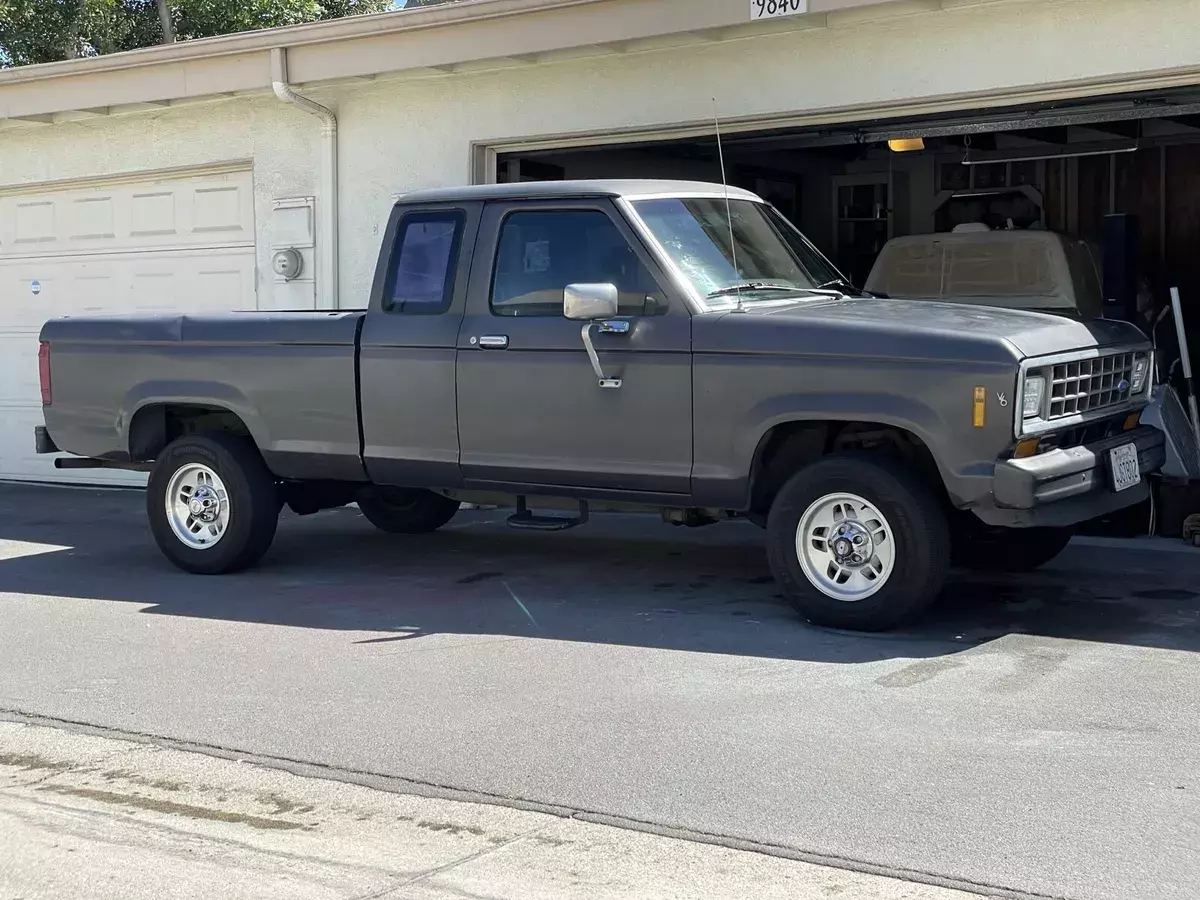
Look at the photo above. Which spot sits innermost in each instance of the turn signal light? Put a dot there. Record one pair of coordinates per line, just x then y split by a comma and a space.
44, 373
979, 408
1132, 421
1026, 448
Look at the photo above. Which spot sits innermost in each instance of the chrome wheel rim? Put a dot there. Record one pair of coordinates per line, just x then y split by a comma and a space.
845, 547
197, 506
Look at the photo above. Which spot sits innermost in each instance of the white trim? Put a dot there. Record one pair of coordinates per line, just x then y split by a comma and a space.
173, 249
329, 295
229, 167
321, 32
979, 101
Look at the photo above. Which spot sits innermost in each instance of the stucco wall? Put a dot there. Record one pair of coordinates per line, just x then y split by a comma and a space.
415, 133
403, 133
281, 142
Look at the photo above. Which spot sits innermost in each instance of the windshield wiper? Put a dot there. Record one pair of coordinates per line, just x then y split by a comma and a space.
843, 285
752, 286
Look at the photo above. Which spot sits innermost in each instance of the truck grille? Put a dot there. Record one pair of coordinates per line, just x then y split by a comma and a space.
1090, 384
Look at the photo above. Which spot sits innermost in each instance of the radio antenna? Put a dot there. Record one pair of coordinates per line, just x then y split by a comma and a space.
728, 207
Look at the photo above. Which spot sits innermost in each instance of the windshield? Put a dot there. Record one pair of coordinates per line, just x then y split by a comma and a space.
773, 259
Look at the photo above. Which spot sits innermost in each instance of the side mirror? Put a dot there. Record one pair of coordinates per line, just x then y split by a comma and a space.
590, 302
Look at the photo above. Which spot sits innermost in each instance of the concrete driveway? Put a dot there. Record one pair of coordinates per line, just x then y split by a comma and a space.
1038, 736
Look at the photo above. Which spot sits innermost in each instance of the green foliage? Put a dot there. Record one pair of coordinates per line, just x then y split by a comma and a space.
35, 31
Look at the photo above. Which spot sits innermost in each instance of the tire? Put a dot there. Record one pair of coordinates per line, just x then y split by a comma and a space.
406, 511
904, 529
1008, 549
250, 503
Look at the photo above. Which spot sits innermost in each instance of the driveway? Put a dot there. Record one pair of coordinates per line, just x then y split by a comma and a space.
1038, 735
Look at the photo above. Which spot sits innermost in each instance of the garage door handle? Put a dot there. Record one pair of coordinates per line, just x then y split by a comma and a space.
493, 342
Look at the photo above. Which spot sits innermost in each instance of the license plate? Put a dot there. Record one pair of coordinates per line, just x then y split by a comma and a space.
1126, 472
770, 9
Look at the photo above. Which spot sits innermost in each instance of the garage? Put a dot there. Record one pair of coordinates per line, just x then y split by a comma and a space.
1121, 172
150, 244
1117, 177
126, 178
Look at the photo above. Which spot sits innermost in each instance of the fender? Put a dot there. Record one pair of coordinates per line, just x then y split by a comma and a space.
201, 393
721, 486
902, 412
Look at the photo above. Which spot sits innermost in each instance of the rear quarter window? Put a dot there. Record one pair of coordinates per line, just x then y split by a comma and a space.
424, 261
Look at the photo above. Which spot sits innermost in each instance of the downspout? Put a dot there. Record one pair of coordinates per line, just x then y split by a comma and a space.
327, 228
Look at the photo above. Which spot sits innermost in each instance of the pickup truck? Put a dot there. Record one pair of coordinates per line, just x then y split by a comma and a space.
566, 347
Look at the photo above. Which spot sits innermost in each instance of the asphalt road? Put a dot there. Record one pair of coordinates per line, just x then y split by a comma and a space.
1038, 734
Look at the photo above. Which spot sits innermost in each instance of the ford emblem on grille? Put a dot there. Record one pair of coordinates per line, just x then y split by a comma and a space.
1123, 386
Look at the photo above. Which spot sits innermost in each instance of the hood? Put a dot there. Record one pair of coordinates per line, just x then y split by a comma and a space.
951, 325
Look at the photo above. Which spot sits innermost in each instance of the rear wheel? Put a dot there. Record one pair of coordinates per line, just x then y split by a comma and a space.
212, 503
406, 511
1008, 549
858, 542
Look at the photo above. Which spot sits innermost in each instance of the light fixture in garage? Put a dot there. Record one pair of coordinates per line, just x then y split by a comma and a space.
906, 145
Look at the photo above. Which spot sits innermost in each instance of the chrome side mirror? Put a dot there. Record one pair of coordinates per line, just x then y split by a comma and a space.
590, 302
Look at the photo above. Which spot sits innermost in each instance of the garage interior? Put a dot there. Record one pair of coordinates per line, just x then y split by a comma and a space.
1121, 172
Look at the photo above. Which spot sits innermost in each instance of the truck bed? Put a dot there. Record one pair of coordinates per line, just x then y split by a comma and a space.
291, 377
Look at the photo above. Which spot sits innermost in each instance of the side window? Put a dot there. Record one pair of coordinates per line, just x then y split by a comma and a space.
423, 263
541, 252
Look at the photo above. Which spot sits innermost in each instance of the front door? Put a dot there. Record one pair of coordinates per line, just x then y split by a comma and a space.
531, 409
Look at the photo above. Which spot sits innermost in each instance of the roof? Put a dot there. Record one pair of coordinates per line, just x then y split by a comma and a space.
558, 190
434, 41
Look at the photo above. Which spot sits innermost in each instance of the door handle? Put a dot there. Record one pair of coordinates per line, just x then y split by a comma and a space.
493, 342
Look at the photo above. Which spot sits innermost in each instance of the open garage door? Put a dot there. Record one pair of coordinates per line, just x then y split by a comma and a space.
142, 246
852, 186
1118, 177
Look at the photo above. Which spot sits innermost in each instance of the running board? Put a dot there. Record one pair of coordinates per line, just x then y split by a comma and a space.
523, 518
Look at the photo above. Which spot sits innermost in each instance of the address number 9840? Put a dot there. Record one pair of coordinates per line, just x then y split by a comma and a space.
769, 9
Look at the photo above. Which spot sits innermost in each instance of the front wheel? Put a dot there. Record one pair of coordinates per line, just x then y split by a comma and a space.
406, 511
858, 542
212, 503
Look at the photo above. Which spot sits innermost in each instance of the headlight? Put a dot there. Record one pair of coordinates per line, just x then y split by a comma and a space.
1035, 390
1141, 368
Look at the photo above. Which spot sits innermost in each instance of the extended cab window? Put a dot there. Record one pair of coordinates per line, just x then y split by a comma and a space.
541, 252
423, 263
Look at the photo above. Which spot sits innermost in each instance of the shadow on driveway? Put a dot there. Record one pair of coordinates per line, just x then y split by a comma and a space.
625, 580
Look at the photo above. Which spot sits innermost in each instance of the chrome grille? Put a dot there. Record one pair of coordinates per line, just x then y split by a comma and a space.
1090, 384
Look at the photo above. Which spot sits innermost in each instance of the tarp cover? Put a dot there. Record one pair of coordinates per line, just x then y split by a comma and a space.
1013, 269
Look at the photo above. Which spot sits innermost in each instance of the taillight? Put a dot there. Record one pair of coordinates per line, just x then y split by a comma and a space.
44, 373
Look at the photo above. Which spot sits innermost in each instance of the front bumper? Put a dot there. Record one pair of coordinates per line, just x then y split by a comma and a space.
1071, 485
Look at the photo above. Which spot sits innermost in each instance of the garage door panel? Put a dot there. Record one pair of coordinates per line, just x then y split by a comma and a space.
217, 210
33, 222
131, 283
93, 291
152, 214
19, 388
160, 246
181, 212
18, 459
91, 219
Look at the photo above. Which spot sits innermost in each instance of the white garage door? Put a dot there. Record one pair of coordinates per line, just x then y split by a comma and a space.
163, 244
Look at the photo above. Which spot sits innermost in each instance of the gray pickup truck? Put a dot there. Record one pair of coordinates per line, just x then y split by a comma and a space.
561, 348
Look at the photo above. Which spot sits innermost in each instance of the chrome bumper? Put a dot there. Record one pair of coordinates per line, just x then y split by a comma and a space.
1071, 485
